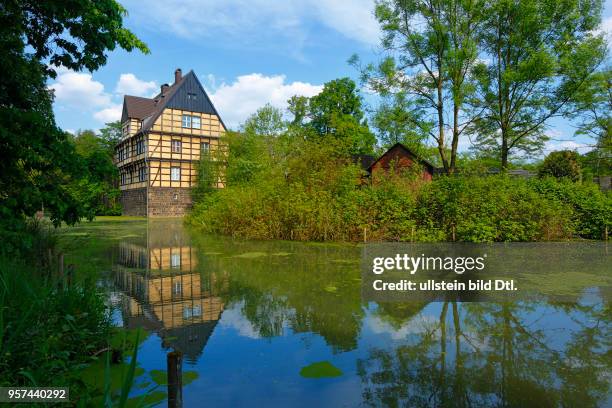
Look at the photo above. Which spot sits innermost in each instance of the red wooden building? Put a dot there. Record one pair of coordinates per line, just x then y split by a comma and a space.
399, 158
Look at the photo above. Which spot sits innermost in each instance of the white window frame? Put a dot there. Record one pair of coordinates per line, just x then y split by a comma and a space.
196, 122
175, 173
186, 121
204, 147
177, 288
175, 260
176, 146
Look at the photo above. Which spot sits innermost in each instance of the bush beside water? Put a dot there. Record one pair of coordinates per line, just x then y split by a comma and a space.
310, 191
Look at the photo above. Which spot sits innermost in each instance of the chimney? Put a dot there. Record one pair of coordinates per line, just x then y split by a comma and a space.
164, 89
178, 74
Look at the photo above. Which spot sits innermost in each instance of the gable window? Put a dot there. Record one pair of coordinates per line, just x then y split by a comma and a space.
142, 174
176, 146
175, 173
192, 96
195, 122
204, 147
186, 121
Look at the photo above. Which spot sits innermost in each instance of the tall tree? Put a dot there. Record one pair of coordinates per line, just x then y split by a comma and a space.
111, 134
267, 121
432, 48
338, 111
537, 56
394, 119
592, 110
39, 162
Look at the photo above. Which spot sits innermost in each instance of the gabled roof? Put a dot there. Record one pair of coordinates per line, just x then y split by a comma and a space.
176, 96
409, 152
363, 160
136, 107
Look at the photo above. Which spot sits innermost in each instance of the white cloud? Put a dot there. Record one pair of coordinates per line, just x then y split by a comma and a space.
233, 318
109, 114
554, 145
355, 19
128, 84
252, 20
417, 325
236, 101
606, 26
79, 90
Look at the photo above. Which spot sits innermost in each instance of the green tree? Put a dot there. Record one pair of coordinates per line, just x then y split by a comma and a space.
337, 111
267, 121
561, 164
111, 134
96, 188
298, 107
39, 160
538, 54
395, 122
432, 47
592, 110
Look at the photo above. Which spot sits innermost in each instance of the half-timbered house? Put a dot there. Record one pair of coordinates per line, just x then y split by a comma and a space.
162, 141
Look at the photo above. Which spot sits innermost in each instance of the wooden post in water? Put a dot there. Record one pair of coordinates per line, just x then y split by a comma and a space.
175, 379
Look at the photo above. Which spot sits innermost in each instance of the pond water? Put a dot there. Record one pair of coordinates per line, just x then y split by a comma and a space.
284, 324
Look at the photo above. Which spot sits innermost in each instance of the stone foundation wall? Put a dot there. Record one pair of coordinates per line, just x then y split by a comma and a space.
134, 202
169, 202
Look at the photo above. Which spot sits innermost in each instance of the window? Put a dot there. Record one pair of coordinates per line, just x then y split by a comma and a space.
204, 147
191, 312
175, 260
123, 178
142, 174
175, 173
176, 146
186, 121
140, 147
195, 122
192, 96
177, 288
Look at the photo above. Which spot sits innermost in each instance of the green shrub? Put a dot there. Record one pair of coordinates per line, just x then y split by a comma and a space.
562, 165
311, 191
46, 331
488, 209
591, 208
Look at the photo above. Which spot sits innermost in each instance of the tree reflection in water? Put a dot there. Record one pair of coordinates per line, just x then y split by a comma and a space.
497, 354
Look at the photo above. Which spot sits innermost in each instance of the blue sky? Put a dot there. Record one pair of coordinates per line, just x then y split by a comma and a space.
245, 52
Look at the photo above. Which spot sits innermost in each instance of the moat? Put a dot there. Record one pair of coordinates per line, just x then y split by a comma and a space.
284, 324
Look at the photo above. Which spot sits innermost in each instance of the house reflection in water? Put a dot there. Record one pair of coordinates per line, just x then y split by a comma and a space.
164, 292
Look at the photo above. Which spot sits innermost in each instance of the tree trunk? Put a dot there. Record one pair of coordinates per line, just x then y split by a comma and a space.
504, 153
455, 142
